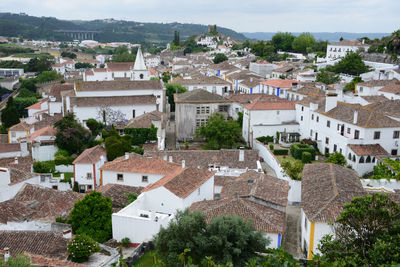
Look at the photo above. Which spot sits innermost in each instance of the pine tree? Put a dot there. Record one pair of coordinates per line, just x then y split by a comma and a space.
176, 38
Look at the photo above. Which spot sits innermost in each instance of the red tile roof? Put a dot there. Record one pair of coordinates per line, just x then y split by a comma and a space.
22, 126
280, 83
46, 131
368, 150
90, 155
271, 104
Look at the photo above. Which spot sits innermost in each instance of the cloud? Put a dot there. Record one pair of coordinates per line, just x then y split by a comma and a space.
250, 16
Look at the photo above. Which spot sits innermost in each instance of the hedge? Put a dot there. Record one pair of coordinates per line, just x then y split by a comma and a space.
44, 166
306, 157
141, 136
281, 151
265, 139
297, 150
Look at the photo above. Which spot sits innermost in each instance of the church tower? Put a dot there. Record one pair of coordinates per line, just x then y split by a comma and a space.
140, 72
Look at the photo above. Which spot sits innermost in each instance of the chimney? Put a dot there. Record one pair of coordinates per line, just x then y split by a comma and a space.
126, 155
330, 102
170, 159
241, 155
165, 157
67, 234
183, 164
355, 117
16, 160
6, 254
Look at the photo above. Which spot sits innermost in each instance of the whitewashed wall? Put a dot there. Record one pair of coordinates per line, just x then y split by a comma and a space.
131, 179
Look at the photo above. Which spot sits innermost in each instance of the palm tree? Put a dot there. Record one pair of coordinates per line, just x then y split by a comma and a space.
395, 41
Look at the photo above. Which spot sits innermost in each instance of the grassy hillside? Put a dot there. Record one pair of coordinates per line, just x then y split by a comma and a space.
111, 31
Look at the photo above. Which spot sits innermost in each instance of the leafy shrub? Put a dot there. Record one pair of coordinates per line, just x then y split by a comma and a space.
60, 219
281, 151
125, 242
44, 167
265, 139
141, 136
336, 158
293, 168
306, 157
61, 157
271, 146
81, 247
75, 188
297, 150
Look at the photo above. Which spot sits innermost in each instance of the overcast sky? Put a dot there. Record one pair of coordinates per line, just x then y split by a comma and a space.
239, 15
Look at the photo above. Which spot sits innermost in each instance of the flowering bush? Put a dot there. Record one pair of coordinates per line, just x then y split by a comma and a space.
81, 247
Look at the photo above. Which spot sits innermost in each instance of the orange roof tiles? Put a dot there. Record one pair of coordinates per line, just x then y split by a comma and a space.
280, 83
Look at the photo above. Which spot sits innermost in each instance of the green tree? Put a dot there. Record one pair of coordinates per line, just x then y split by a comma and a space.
283, 41
176, 40
29, 84
220, 133
394, 42
94, 126
9, 115
304, 43
293, 168
47, 76
22, 102
171, 90
336, 158
224, 239
219, 58
166, 76
117, 146
81, 247
351, 86
92, 216
327, 77
367, 233
38, 64
71, 136
68, 54
83, 65
122, 55
351, 64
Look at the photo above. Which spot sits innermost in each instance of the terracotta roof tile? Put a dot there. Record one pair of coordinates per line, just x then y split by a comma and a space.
44, 243
46, 131
271, 104
258, 185
5, 148
145, 120
368, 150
90, 155
113, 100
263, 218
280, 83
325, 188
56, 89
199, 96
117, 193
349, 43
201, 80
22, 126
39, 260
393, 88
205, 158
182, 182
118, 85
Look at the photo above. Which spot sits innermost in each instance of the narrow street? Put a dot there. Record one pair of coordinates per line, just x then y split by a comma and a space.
170, 138
292, 236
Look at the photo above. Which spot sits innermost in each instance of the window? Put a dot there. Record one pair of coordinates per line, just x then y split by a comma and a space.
328, 124
145, 179
133, 113
361, 159
312, 116
338, 127
197, 122
305, 224
198, 191
197, 110
141, 76
277, 112
317, 118
310, 132
361, 89
326, 140
89, 175
354, 158
349, 157
348, 130
334, 148
396, 134
207, 110
377, 135
394, 152
13, 134
223, 108
301, 118
120, 177
356, 134
368, 160
89, 187
203, 110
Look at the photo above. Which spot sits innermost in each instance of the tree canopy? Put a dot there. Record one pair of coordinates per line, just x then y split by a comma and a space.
225, 239
327, 77
172, 89
304, 43
219, 58
122, 55
336, 158
71, 136
220, 133
283, 41
367, 233
351, 64
92, 216
9, 115
117, 145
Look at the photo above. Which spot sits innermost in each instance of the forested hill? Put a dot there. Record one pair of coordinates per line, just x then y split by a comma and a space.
109, 30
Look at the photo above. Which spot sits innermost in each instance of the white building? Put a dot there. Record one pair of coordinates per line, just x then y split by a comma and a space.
262, 68
160, 200
42, 143
211, 84
18, 131
268, 115
325, 189
341, 49
372, 87
114, 101
336, 125
87, 168
391, 91
209, 41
